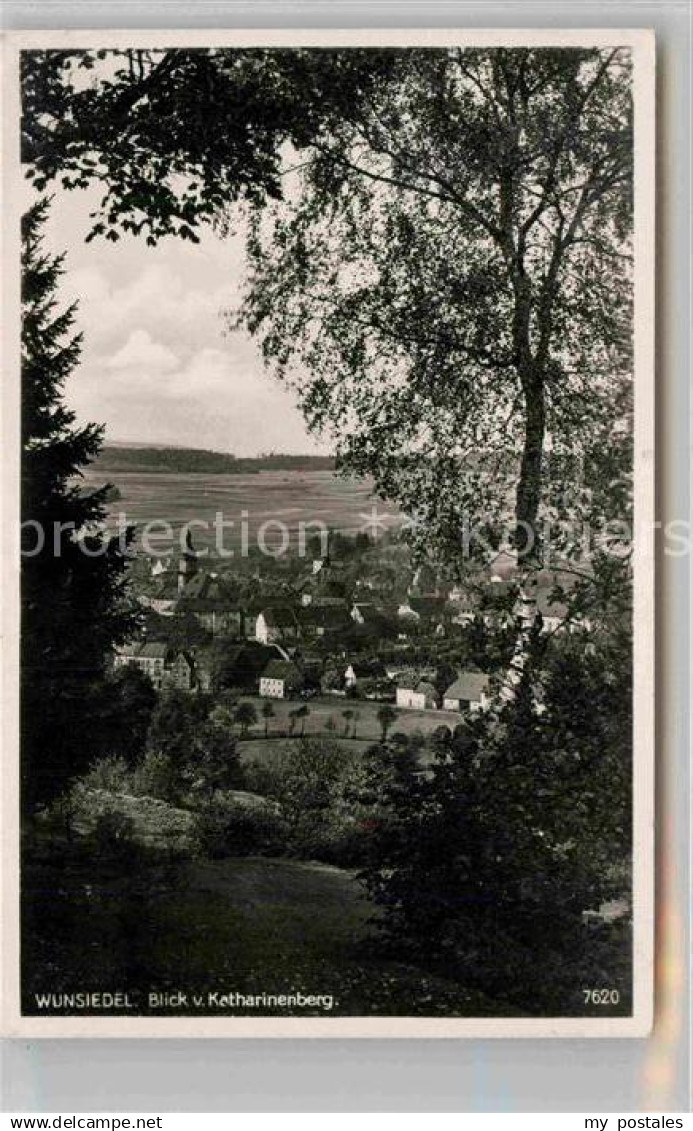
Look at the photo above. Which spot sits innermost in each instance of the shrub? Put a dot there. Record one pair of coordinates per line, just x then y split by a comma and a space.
484, 866
113, 840
111, 773
224, 827
259, 778
399, 738
156, 776
316, 785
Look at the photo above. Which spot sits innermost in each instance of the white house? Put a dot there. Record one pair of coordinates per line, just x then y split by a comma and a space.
469, 692
360, 672
417, 694
279, 679
276, 623
165, 666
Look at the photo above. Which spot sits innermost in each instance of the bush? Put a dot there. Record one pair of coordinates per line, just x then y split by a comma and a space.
224, 827
259, 778
156, 776
399, 738
113, 840
483, 866
441, 737
316, 786
111, 773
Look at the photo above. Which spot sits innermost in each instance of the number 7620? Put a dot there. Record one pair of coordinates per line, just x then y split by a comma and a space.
601, 997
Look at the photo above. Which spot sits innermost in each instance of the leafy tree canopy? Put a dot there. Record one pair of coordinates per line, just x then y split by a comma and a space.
485, 864
439, 246
175, 136
447, 286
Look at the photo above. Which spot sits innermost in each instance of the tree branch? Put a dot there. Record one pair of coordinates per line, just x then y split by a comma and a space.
447, 197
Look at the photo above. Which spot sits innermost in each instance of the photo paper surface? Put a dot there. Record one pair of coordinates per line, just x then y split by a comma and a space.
329, 456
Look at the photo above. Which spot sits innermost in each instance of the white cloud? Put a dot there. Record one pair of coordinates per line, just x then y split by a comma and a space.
156, 364
156, 298
216, 398
141, 352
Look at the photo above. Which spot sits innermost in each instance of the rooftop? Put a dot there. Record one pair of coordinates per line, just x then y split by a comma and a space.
280, 669
279, 616
468, 685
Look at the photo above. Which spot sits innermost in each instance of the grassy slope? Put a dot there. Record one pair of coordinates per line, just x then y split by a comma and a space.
251, 925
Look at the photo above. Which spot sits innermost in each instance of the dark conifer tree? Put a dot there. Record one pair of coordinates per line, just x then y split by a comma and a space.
74, 604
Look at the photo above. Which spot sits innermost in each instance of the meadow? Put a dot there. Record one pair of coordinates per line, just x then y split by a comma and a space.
364, 726
248, 925
250, 504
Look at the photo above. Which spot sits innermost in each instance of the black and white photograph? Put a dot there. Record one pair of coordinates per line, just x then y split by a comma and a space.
333, 379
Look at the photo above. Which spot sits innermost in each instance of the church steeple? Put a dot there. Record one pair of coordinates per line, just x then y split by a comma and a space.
187, 563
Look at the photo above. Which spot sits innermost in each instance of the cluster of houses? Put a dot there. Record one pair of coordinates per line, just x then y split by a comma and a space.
468, 692
283, 677
318, 606
166, 667
275, 632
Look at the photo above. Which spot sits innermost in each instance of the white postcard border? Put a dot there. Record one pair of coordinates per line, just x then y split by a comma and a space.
15, 1024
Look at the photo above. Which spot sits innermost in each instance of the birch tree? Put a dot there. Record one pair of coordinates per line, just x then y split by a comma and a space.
446, 283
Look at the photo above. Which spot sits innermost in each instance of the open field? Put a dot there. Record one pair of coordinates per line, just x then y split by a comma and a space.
365, 728
246, 502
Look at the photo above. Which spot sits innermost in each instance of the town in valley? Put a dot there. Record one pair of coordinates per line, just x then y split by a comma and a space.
361, 623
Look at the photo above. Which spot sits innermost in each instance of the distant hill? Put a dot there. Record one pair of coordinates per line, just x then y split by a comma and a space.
117, 457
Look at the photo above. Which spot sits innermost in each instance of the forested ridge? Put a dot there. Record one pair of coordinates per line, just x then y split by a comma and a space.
204, 461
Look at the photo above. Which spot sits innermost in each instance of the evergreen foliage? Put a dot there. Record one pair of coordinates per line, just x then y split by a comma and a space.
74, 603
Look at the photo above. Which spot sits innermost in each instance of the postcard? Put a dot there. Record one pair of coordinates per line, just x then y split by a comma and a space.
328, 655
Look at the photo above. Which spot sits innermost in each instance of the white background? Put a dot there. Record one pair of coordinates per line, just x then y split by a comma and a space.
602, 1076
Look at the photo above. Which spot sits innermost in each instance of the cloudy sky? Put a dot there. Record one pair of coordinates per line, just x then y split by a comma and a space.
158, 363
